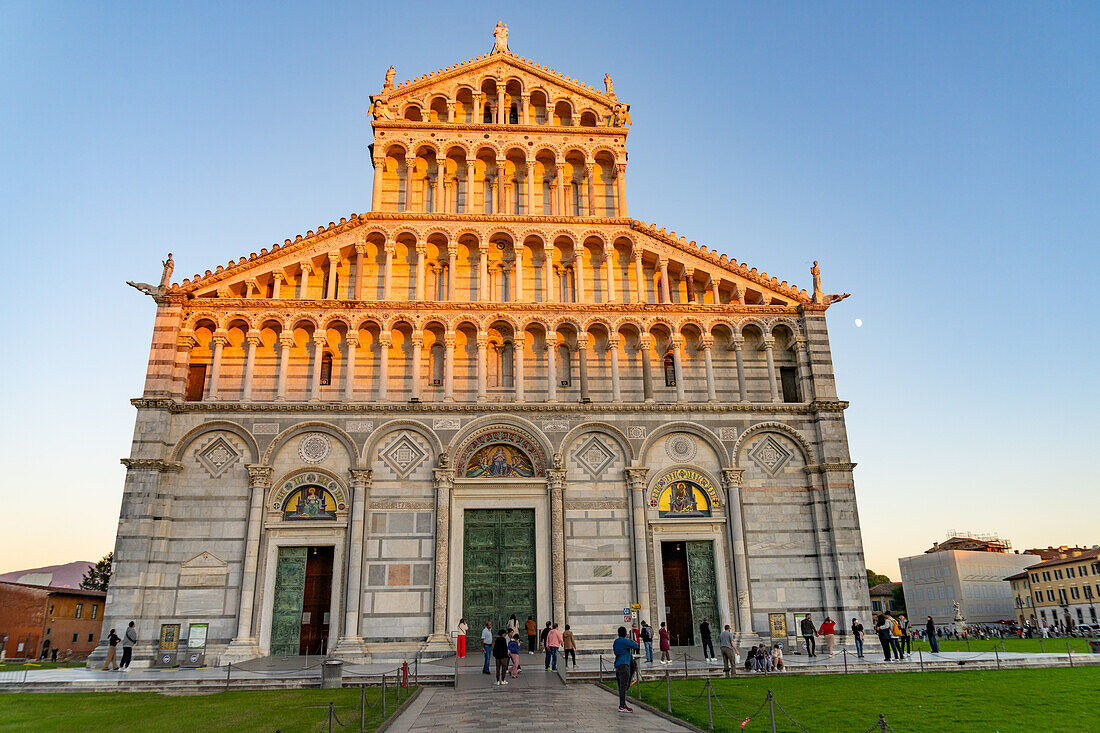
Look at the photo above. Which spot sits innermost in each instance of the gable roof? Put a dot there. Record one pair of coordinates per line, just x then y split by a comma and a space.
883, 589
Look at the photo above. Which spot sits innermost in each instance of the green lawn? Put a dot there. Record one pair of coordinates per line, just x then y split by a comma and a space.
1052, 699
1077, 644
262, 710
20, 666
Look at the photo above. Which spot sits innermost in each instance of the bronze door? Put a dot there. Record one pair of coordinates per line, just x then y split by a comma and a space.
677, 594
315, 601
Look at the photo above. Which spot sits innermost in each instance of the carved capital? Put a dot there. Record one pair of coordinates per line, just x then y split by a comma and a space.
421, 247
186, 339
582, 342
361, 248
768, 342
452, 250
708, 343
738, 342
443, 478
220, 337
555, 479
352, 340
613, 342
386, 339
259, 476
279, 276
645, 340
449, 339
286, 340
482, 341
254, 339
731, 477
320, 340
389, 247
678, 341
417, 339
334, 258
662, 262
361, 478
636, 478
306, 267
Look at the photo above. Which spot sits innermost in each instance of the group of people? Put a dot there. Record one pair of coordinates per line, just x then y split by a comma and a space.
128, 639
505, 646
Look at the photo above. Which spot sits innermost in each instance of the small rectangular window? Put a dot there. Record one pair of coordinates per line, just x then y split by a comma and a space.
1069, 572
74, 638
788, 377
1057, 574
91, 638
95, 610
326, 368
79, 610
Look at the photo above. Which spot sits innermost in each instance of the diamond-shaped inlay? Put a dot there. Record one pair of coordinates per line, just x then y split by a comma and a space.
404, 456
770, 456
593, 456
217, 456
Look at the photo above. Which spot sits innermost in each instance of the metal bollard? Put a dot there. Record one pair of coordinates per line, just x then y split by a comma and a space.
771, 709
668, 693
228, 670
997, 654
601, 668
362, 708
882, 722
383, 696
920, 658
845, 652
685, 665
710, 714
1069, 653
416, 670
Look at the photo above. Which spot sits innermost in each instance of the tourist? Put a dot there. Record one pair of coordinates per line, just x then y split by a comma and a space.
513, 652
750, 660
53, 654
622, 649
647, 640
664, 642
777, 657
129, 638
729, 653
460, 640
542, 637
487, 644
500, 654
906, 641
532, 630
808, 633
553, 643
704, 635
828, 632
112, 642
857, 634
568, 647
512, 626
882, 628
895, 635
635, 635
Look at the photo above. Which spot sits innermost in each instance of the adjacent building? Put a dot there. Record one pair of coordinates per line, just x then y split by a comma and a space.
882, 597
969, 569
1062, 592
35, 619
494, 393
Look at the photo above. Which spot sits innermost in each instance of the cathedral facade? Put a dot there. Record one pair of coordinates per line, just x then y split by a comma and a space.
493, 394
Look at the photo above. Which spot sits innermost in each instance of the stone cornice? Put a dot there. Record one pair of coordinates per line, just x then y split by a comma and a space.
829, 466
155, 464
434, 408
493, 127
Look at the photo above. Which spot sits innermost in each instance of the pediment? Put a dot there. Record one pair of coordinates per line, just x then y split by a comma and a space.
204, 560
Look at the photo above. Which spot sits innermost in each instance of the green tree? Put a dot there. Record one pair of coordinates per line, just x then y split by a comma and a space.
874, 578
98, 576
899, 598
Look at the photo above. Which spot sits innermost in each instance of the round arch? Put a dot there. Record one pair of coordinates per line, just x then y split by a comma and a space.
317, 426
686, 427
375, 438
599, 427
216, 426
526, 435
775, 427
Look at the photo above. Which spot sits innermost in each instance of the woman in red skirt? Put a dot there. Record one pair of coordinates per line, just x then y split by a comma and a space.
461, 642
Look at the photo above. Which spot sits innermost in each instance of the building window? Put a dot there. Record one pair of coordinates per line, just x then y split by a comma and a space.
91, 638
507, 365
513, 115
670, 370
1050, 595
74, 638
1069, 572
1057, 574
326, 368
48, 630
788, 378
196, 383
1046, 575
79, 610
1035, 577
95, 610
51, 609
1074, 593
876, 606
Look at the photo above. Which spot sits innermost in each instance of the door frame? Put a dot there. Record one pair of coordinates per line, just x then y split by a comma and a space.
499, 494
292, 538
679, 530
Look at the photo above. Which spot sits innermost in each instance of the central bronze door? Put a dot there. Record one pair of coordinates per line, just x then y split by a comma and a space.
498, 567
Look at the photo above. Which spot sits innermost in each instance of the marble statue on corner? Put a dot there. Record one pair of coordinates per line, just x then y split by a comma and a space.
165, 280
390, 74
621, 113
608, 85
819, 294
379, 108
500, 34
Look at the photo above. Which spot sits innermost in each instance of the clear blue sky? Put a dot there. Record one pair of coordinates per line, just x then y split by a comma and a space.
939, 159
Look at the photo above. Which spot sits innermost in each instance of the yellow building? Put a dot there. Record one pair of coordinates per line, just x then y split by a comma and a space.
1063, 590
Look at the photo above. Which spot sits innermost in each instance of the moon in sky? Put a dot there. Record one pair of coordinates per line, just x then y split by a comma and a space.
859, 323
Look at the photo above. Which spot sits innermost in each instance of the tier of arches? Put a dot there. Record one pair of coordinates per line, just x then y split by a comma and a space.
435, 177
508, 101
494, 359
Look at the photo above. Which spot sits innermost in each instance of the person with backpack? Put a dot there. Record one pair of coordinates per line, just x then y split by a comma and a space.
729, 652
905, 643
542, 637
647, 640
568, 647
622, 648
112, 642
808, 633
895, 636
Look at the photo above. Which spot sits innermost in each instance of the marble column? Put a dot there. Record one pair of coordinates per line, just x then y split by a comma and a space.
769, 346
417, 349
738, 348
517, 369
468, 204
662, 262
387, 273
384, 341
277, 285
351, 643
483, 273
689, 284
352, 341
452, 272
636, 478
244, 644
443, 479
678, 365
640, 295
578, 274
376, 189
421, 249
450, 112
525, 103
502, 114
803, 361
712, 393
303, 284
645, 341
731, 477
449, 366
714, 291
529, 201
609, 270
620, 188
440, 179
548, 275
582, 361
590, 175
319, 341
559, 187
740, 293
221, 338
333, 272
479, 107
253, 340
616, 388
482, 347
410, 182
285, 342
556, 484
552, 367
360, 255
502, 187
517, 289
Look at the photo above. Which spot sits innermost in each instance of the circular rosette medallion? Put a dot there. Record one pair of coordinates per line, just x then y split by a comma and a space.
314, 448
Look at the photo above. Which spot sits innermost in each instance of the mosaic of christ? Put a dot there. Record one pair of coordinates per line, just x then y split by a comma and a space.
500, 461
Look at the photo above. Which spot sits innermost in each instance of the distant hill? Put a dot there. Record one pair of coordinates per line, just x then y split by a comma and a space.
68, 575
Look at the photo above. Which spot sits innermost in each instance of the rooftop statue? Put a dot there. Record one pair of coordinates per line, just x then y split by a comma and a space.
609, 87
390, 74
500, 33
621, 114
379, 108
819, 294
165, 280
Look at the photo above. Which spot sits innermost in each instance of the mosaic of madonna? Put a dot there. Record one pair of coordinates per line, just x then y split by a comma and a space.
499, 461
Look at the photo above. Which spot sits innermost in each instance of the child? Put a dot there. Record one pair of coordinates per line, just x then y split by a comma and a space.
513, 652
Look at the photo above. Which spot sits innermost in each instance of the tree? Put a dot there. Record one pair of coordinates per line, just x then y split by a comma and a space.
98, 576
899, 598
874, 578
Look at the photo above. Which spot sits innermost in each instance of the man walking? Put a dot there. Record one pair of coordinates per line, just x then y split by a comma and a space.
487, 644
542, 637
930, 632
128, 640
532, 630
708, 643
622, 649
112, 642
647, 639
808, 633
729, 654
500, 654
553, 642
